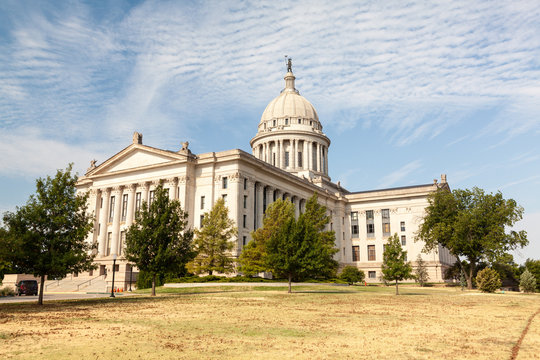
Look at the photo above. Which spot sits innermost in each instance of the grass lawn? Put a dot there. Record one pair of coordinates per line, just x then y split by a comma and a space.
258, 322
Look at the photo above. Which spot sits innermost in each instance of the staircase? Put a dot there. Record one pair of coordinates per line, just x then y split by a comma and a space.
77, 284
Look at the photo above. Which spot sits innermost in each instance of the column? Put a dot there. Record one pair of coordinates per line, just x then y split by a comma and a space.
310, 155
269, 196
318, 157
117, 193
259, 211
172, 184
304, 156
103, 219
326, 160
145, 186
131, 189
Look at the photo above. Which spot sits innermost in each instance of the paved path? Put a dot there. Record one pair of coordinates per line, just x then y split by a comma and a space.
270, 284
58, 296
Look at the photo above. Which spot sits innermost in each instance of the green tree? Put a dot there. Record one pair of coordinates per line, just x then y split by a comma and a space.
471, 225
252, 260
48, 233
527, 282
213, 243
394, 266
534, 267
420, 271
158, 241
6, 260
488, 280
351, 274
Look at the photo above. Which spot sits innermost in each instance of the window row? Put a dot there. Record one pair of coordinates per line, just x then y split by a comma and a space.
370, 226
371, 253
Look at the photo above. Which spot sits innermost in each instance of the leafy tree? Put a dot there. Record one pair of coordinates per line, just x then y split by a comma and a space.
527, 282
394, 266
508, 270
252, 260
488, 280
6, 260
471, 225
213, 243
420, 272
462, 280
158, 241
534, 267
48, 234
351, 274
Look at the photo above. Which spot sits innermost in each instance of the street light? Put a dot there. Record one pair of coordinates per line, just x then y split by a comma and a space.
114, 265
130, 275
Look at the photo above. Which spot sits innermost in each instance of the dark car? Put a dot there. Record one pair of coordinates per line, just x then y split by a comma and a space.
27, 287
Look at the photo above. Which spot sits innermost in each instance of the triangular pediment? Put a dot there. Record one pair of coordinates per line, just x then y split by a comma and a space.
136, 157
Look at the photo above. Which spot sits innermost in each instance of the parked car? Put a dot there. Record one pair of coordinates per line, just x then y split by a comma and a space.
27, 287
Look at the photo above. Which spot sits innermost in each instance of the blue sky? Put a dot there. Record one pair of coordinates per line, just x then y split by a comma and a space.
405, 91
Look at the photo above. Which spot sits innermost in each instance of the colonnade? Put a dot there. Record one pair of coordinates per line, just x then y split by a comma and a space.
314, 154
265, 195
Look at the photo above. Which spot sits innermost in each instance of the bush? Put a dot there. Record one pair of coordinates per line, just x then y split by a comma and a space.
488, 280
7, 292
527, 282
144, 281
352, 274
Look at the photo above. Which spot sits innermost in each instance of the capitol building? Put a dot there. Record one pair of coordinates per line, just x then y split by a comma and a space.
289, 160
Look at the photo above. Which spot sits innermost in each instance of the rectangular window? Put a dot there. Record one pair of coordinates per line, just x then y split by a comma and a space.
202, 202
99, 229
386, 229
245, 201
314, 157
138, 201
354, 224
124, 206
402, 225
356, 253
244, 240
245, 184
101, 203
403, 240
244, 220
109, 240
286, 121
224, 197
201, 221
369, 214
299, 159
405, 257
372, 274
152, 196
286, 159
224, 182
370, 228
122, 242
354, 230
111, 209
371, 252
385, 214
354, 216
274, 159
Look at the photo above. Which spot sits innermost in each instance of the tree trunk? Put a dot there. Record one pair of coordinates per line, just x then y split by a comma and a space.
397, 291
471, 273
41, 289
209, 272
290, 280
153, 284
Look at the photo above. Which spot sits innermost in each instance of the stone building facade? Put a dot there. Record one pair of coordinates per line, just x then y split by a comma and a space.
289, 160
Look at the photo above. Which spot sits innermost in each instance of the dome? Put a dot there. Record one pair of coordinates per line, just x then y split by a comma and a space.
289, 104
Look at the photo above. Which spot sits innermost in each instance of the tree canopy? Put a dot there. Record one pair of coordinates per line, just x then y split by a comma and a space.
472, 225
394, 266
158, 241
213, 243
292, 248
48, 234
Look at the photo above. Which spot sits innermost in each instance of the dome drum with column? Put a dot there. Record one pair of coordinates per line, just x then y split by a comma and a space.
290, 135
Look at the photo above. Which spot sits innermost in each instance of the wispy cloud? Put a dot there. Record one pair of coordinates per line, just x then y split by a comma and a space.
396, 177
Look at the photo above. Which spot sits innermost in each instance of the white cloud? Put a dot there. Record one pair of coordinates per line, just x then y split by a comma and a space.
397, 176
531, 224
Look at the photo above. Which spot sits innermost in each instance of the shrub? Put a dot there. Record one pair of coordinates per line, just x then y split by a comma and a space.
352, 274
7, 292
527, 282
488, 280
144, 281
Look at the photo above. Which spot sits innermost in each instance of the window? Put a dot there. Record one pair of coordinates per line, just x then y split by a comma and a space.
274, 122
385, 222
224, 182
403, 240
370, 230
244, 240
286, 121
116, 268
354, 230
201, 221
244, 220
405, 257
356, 253
402, 225
122, 242
372, 274
152, 196
224, 197
354, 216
286, 159
99, 229
245, 184
369, 214
245, 201
124, 206
371, 252
274, 159
202, 202
138, 201
101, 203
299, 159
370, 226
299, 121
314, 157
109, 239
111, 209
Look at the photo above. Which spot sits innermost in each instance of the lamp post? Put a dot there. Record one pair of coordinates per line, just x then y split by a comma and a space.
130, 276
113, 267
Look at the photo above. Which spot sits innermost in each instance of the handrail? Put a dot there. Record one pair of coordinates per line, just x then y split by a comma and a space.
55, 282
89, 281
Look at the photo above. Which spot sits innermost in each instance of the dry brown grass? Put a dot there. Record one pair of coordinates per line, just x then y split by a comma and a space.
257, 323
